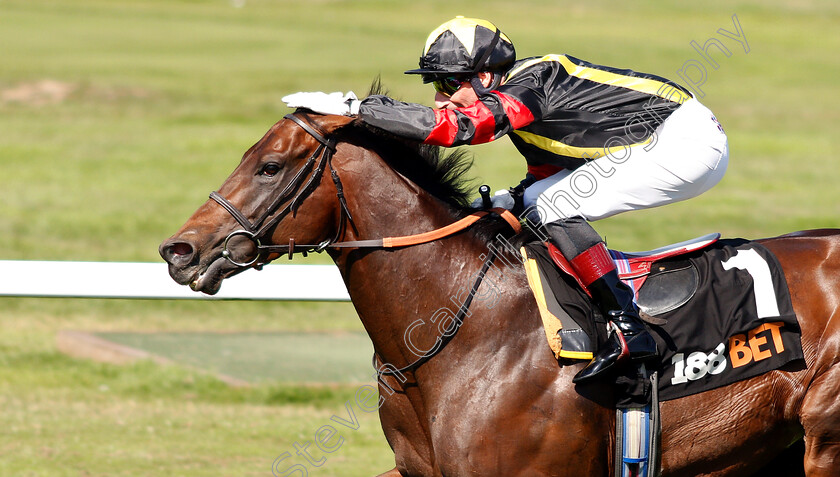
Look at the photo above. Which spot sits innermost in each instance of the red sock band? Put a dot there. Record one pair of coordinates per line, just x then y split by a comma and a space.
593, 263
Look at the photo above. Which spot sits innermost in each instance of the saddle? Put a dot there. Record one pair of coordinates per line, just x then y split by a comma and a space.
720, 310
660, 286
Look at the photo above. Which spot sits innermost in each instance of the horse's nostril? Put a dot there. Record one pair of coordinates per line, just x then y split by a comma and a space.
177, 252
180, 248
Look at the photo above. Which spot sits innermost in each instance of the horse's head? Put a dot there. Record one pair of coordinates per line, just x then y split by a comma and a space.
275, 196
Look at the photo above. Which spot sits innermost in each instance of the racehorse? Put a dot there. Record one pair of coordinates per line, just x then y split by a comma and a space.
492, 399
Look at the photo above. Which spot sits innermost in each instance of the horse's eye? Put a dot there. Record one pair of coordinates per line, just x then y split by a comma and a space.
270, 169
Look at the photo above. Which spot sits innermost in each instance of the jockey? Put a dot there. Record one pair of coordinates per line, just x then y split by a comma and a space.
597, 141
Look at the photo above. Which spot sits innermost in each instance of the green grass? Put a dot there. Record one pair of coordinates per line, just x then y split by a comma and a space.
65, 416
162, 97
289, 357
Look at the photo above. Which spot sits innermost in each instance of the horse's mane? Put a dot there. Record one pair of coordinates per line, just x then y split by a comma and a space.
442, 173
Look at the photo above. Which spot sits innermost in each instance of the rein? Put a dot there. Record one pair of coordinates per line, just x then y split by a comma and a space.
296, 192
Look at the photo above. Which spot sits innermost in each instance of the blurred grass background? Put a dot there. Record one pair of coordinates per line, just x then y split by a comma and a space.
296, 357
118, 117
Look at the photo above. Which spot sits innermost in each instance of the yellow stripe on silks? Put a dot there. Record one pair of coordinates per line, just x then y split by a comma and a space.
576, 354
642, 85
550, 322
562, 149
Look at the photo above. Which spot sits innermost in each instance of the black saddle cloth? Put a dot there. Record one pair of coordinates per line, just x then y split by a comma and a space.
727, 308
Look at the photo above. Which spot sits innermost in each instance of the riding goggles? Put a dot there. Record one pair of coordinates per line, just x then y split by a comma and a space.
449, 85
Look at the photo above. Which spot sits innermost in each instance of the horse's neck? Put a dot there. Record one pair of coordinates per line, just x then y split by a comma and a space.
396, 289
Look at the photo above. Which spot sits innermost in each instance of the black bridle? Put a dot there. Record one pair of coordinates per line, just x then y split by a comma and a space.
298, 189
304, 182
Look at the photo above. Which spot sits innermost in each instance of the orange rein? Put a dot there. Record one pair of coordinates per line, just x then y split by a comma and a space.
275, 251
389, 242
425, 237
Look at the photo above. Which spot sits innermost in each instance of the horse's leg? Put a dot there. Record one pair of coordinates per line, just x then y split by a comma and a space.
787, 464
821, 420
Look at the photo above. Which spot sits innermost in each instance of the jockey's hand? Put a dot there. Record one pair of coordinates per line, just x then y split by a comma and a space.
501, 198
333, 103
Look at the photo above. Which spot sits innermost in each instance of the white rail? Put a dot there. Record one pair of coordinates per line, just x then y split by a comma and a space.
25, 278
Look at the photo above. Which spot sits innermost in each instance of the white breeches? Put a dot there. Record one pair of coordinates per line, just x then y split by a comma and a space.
687, 156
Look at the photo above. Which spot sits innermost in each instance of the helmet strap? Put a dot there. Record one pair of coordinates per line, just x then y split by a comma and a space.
486, 55
475, 81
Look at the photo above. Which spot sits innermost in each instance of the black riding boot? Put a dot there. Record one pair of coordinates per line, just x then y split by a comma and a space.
591, 260
628, 338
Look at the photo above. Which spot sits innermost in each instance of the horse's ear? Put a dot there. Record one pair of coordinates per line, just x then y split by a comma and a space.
329, 124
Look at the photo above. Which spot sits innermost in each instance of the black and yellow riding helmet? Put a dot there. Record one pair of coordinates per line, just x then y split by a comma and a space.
465, 46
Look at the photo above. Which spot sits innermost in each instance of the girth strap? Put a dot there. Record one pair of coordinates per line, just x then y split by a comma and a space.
448, 333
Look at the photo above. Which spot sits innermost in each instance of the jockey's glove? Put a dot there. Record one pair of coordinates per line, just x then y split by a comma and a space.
501, 198
325, 103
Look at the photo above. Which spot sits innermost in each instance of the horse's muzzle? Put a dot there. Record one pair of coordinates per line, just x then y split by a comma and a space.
182, 258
